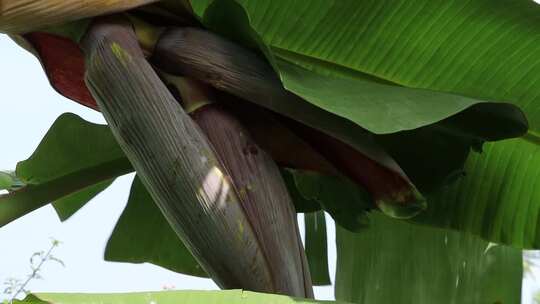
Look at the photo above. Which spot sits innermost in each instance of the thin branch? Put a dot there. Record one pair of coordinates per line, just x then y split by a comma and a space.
36, 269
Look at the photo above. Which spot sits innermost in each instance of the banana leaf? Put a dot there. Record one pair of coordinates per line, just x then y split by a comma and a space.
481, 49
393, 261
169, 297
74, 162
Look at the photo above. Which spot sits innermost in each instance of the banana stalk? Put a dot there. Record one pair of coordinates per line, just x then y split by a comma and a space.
173, 159
205, 56
258, 182
21, 16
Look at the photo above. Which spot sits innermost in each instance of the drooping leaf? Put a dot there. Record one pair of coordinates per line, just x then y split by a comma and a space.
68, 205
31, 197
170, 297
377, 107
498, 198
482, 49
370, 37
143, 235
71, 145
396, 262
434, 154
72, 158
419, 149
317, 247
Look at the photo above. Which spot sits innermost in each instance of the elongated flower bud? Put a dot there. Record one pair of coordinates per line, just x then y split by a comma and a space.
258, 182
173, 159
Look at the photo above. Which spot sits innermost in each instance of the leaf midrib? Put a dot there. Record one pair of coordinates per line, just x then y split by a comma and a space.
18, 203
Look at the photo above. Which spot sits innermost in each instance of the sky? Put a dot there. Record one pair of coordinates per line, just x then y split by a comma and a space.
29, 106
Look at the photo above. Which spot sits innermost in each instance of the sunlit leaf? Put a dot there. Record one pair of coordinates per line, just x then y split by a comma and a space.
170, 297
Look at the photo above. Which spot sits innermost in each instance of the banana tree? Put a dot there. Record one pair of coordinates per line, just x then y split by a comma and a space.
412, 123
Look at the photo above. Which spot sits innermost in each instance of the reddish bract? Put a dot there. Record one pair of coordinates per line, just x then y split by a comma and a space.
63, 62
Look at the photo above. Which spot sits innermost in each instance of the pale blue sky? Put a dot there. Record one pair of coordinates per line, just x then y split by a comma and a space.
28, 108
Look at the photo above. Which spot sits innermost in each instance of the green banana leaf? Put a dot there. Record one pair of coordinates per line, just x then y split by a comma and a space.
482, 49
169, 297
395, 262
430, 155
317, 247
379, 108
68, 205
456, 134
74, 162
70, 146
